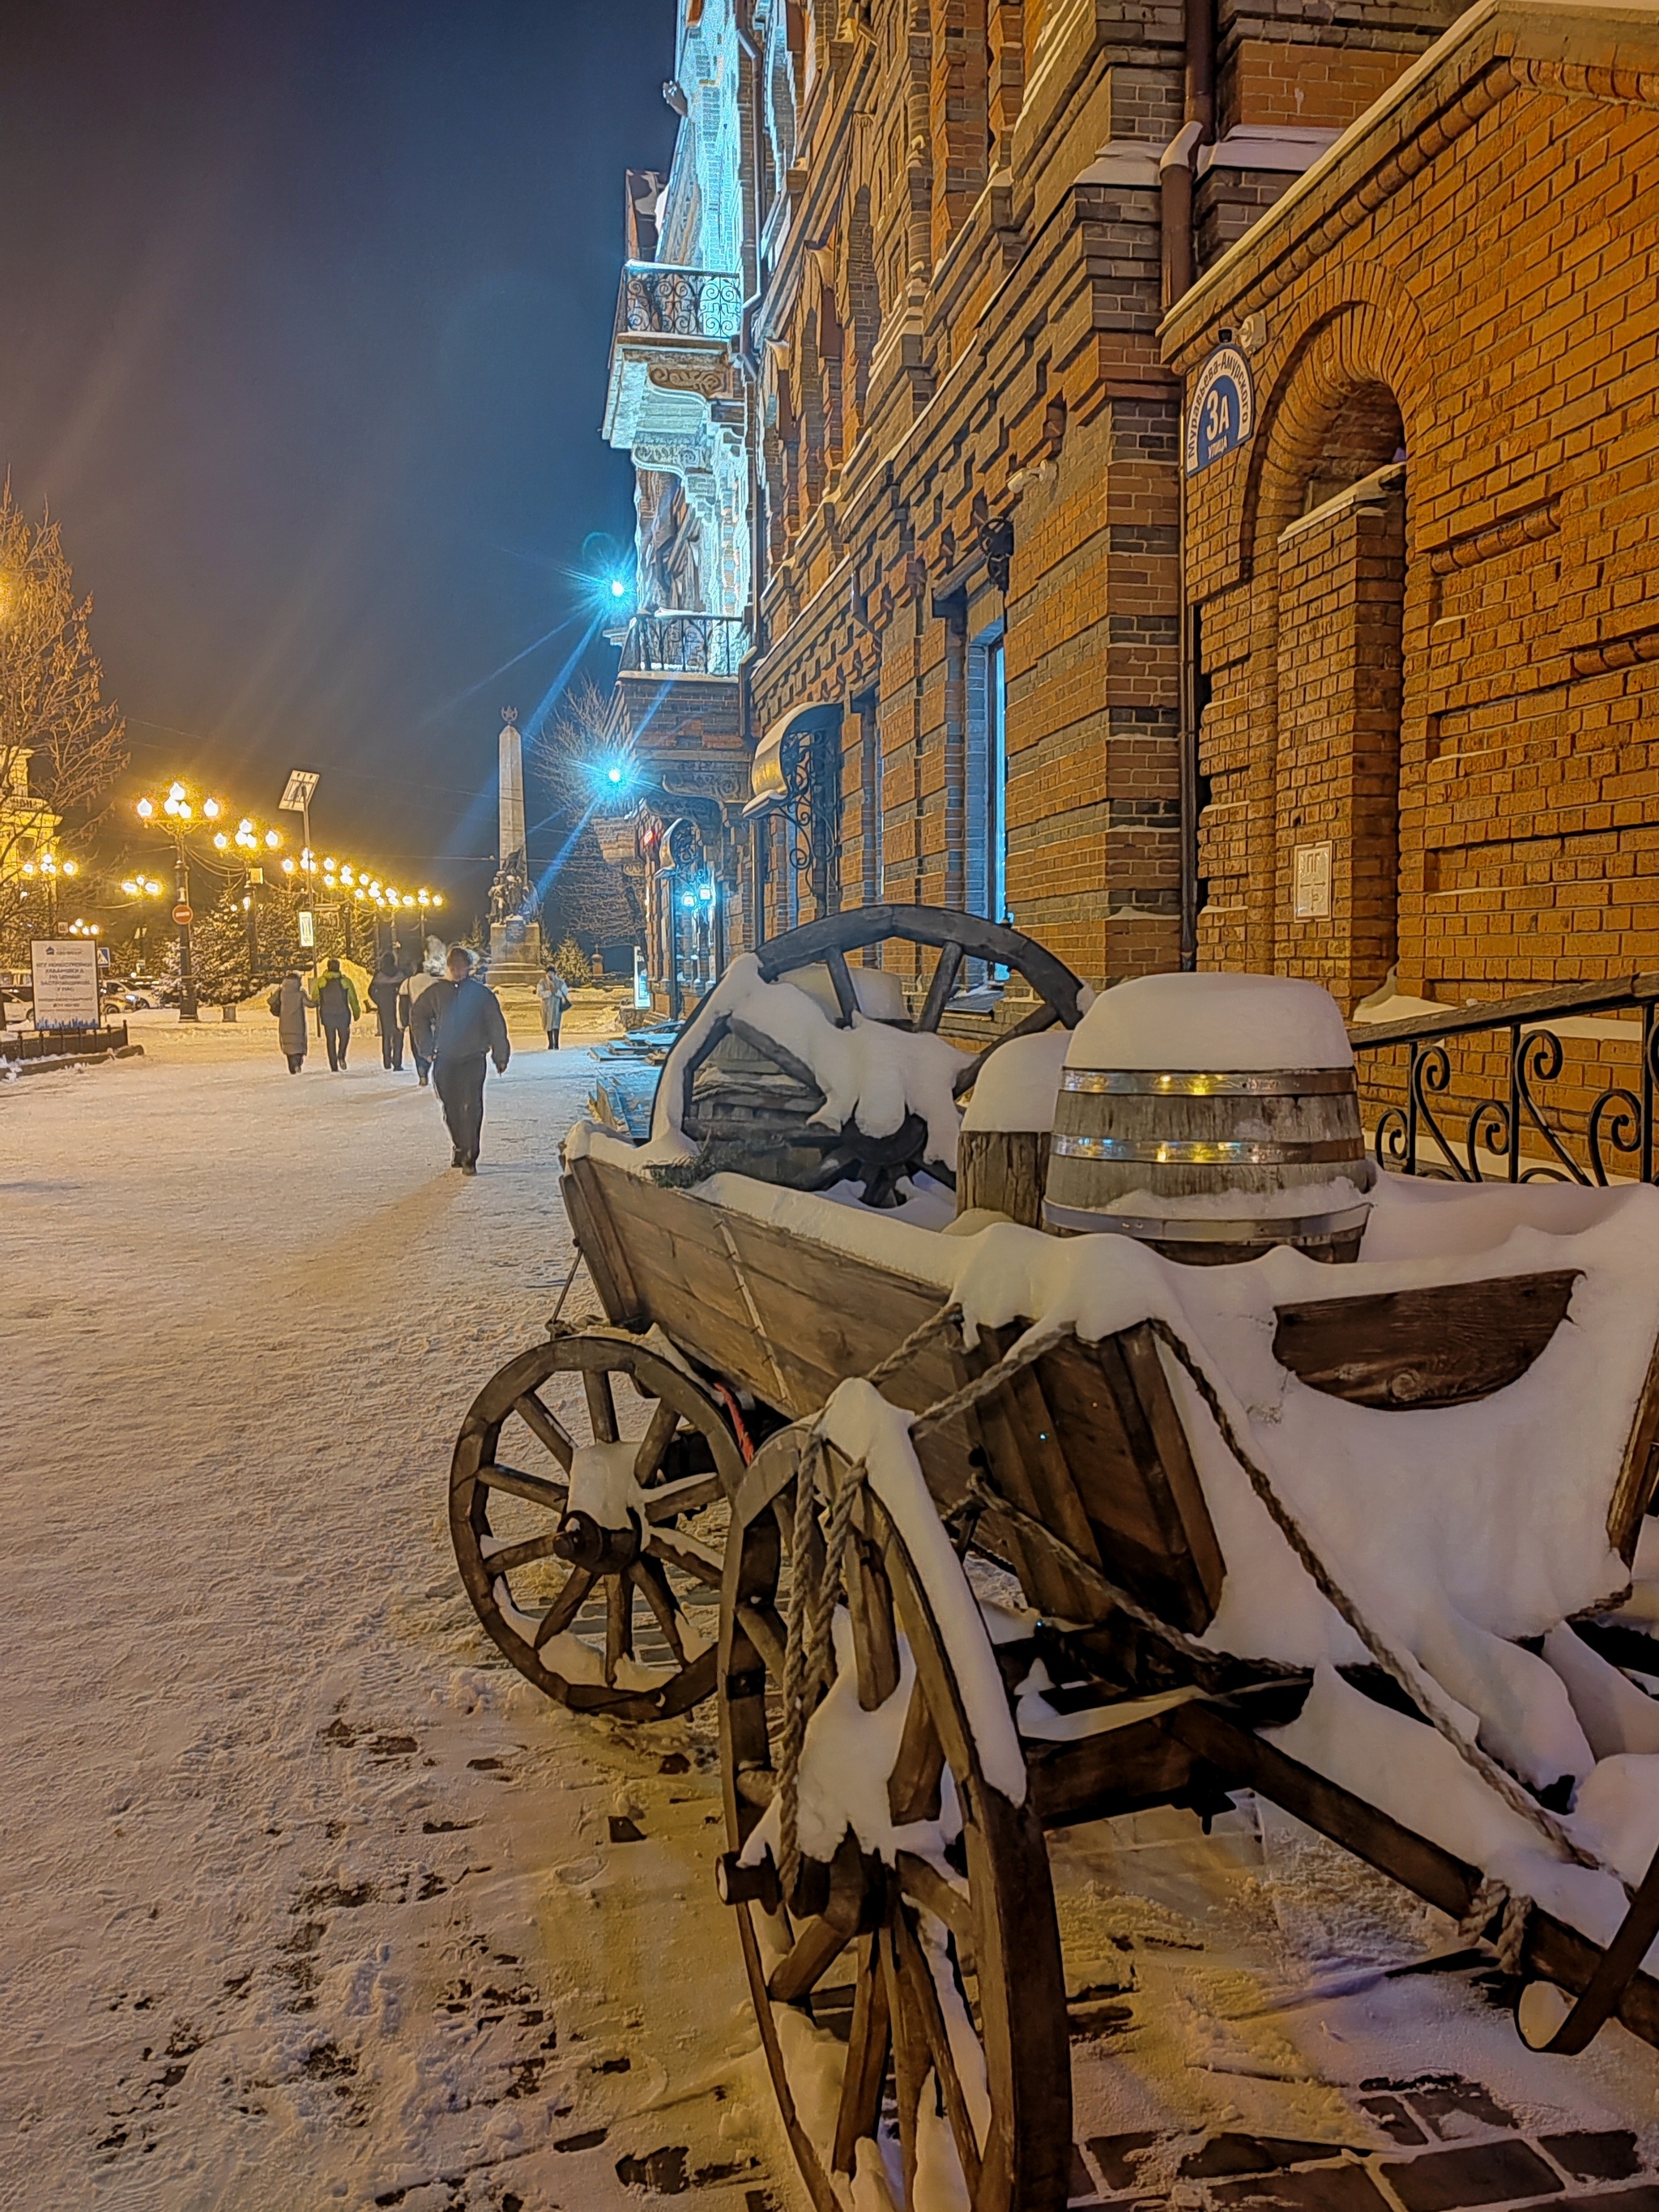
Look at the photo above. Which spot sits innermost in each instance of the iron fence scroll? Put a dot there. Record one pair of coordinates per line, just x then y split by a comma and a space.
685, 645
1512, 1092
661, 301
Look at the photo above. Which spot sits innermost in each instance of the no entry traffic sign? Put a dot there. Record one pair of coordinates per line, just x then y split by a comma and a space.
184, 915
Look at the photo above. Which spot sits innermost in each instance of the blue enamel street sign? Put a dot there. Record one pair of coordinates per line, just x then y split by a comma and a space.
1223, 413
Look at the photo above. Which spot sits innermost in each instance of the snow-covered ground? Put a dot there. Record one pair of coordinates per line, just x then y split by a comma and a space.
306, 1899
309, 1900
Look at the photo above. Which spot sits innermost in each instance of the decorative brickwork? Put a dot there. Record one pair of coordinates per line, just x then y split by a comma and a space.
1479, 263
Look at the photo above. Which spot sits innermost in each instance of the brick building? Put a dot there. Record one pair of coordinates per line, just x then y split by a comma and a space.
1424, 581
953, 227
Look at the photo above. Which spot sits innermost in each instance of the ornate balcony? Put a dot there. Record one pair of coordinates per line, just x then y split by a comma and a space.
671, 377
684, 645
658, 300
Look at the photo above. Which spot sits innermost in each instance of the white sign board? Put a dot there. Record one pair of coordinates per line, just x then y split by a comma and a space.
300, 790
1313, 883
65, 983
307, 928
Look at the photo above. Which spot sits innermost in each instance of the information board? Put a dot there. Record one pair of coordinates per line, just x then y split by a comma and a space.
65, 983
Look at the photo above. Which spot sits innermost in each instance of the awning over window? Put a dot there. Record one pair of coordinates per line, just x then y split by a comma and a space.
768, 783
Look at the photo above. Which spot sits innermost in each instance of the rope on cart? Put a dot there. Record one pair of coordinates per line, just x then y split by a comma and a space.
813, 1600
809, 1616
1496, 1779
1492, 1902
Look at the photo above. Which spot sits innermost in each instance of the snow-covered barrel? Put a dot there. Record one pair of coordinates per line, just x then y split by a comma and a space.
1213, 1117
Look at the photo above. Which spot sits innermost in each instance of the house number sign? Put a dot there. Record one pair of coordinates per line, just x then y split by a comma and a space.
1223, 413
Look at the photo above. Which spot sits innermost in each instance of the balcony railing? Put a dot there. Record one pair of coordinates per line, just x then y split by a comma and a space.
684, 645
1556, 1087
659, 301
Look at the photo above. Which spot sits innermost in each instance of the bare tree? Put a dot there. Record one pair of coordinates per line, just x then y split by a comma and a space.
62, 743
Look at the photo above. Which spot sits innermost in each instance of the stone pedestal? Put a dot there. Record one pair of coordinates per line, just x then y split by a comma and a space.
517, 955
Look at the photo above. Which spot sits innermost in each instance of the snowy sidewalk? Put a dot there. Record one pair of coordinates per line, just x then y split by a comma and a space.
306, 1901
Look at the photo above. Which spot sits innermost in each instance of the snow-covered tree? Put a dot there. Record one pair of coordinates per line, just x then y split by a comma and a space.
62, 743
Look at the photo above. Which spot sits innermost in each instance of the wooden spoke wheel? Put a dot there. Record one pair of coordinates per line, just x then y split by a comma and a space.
827, 1156
588, 1504
911, 2000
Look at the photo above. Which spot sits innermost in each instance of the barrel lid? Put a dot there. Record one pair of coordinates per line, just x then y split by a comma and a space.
1212, 1023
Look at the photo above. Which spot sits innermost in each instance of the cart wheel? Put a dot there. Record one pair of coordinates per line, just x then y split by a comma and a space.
911, 2003
570, 1502
880, 1164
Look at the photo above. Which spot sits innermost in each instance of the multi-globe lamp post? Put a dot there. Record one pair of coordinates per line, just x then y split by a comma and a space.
48, 871
141, 890
180, 815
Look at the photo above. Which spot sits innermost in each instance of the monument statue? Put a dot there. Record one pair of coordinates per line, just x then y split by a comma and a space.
517, 955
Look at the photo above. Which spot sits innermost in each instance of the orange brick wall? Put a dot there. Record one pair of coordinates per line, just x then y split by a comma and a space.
1499, 276
1308, 87
998, 291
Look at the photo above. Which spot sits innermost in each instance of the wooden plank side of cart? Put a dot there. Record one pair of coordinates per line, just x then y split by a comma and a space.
786, 1317
1090, 1444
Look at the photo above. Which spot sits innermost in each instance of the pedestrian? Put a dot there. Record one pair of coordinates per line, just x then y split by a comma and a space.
459, 1024
415, 989
337, 1003
290, 1003
386, 996
555, 995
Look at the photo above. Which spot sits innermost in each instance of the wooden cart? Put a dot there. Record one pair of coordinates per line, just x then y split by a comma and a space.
938, 1991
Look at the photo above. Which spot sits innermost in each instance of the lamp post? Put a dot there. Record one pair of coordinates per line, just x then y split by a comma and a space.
47, 870
178, 816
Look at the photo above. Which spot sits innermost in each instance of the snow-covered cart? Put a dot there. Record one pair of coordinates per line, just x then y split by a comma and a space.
1012, 1531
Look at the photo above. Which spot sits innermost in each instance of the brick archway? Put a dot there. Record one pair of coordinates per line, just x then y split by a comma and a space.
1325, 530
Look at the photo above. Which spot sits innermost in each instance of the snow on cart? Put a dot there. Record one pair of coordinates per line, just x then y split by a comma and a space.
985, 1511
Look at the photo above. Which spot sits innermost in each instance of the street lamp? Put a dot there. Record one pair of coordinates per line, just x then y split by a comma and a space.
141, 888
179, 815
46, 869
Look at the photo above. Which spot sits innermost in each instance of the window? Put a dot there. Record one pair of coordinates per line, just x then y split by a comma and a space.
987, 778
870, 801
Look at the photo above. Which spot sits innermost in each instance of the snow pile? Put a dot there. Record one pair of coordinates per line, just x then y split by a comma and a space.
872, 1076
1455, 1530
1210, 1022
1018, 1085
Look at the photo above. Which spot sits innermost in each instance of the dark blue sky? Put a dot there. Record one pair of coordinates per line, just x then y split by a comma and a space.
304, 317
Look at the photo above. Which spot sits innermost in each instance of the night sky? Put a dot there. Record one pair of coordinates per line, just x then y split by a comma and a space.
305, 312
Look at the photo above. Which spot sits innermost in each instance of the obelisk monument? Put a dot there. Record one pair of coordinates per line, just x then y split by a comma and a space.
516, 952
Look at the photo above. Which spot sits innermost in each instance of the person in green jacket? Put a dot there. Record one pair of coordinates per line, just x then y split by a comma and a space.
338, 1006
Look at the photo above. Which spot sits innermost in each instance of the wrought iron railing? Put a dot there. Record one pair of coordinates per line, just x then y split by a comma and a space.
684, 645
1555, 1087
660, 301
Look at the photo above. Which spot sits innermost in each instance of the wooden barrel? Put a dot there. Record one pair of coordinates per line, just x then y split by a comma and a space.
1217, 1158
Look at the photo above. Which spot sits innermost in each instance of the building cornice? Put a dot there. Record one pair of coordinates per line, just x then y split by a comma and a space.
1573, 47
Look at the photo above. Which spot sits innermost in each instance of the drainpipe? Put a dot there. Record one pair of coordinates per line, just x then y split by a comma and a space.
1177, 173
748, 365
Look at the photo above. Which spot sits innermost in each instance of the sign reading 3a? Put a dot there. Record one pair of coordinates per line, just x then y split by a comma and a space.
1223, 412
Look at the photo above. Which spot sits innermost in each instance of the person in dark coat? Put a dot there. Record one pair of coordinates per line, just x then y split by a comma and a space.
337, 1003
290, 1004
420, 1040
459, 1024
384, 993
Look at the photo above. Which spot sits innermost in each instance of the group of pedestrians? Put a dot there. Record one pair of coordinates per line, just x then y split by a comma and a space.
453, 1021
